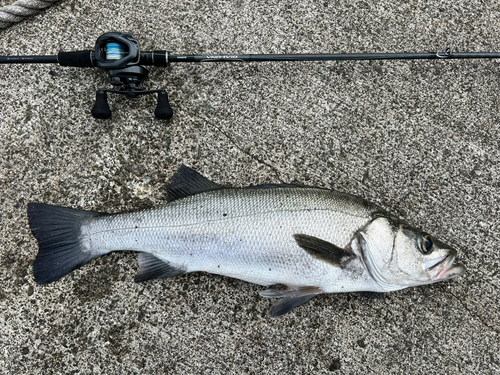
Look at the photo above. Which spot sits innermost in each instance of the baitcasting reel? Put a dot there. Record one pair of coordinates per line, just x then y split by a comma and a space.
119, 55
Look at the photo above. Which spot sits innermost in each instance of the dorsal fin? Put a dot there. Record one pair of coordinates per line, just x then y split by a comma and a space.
187, 182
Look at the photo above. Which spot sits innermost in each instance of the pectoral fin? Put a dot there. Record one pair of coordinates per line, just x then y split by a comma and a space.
322, 250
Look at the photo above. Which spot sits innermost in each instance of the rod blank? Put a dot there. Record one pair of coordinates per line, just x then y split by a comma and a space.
334, 57
49, 59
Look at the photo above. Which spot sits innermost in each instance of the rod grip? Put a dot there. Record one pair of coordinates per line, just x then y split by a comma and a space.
82, 59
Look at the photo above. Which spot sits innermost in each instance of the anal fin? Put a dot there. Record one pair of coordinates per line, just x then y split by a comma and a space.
150, 267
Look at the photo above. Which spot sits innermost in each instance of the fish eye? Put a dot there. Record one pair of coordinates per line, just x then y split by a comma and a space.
426, 245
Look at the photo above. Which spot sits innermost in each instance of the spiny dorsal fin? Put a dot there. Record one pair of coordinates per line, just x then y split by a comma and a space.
322, 250
150, 267
187, 182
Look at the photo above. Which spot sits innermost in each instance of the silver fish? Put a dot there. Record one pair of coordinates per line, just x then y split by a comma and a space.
308, 239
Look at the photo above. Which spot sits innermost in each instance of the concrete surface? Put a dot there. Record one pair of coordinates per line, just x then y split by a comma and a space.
421, 138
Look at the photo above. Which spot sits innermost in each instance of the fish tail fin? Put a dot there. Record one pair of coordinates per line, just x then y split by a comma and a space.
58, 231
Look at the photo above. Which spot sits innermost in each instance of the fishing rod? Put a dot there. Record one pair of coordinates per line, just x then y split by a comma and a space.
120, 56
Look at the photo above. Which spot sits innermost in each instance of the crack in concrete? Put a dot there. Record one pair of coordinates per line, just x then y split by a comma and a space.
472, 313
259, 160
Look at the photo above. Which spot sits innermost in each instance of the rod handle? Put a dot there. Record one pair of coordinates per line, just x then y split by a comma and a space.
82, 59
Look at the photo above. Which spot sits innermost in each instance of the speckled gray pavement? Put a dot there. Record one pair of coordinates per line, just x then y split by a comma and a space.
420, 138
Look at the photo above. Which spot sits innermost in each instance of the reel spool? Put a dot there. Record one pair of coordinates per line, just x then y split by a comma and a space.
115, 51
119, 55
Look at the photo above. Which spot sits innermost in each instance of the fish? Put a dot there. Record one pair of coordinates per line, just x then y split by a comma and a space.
297, 241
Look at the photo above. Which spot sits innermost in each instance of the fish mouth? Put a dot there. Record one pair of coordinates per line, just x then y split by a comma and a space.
446, 268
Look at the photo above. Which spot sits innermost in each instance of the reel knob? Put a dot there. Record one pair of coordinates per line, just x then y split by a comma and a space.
101, 107
163, 110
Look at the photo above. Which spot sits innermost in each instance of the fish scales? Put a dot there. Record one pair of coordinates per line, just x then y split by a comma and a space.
243, 233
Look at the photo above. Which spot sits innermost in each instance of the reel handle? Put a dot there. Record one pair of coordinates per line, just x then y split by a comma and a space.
101, 108
102, 111
163, 109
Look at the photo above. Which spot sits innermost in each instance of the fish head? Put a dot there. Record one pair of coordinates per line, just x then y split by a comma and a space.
398, 256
